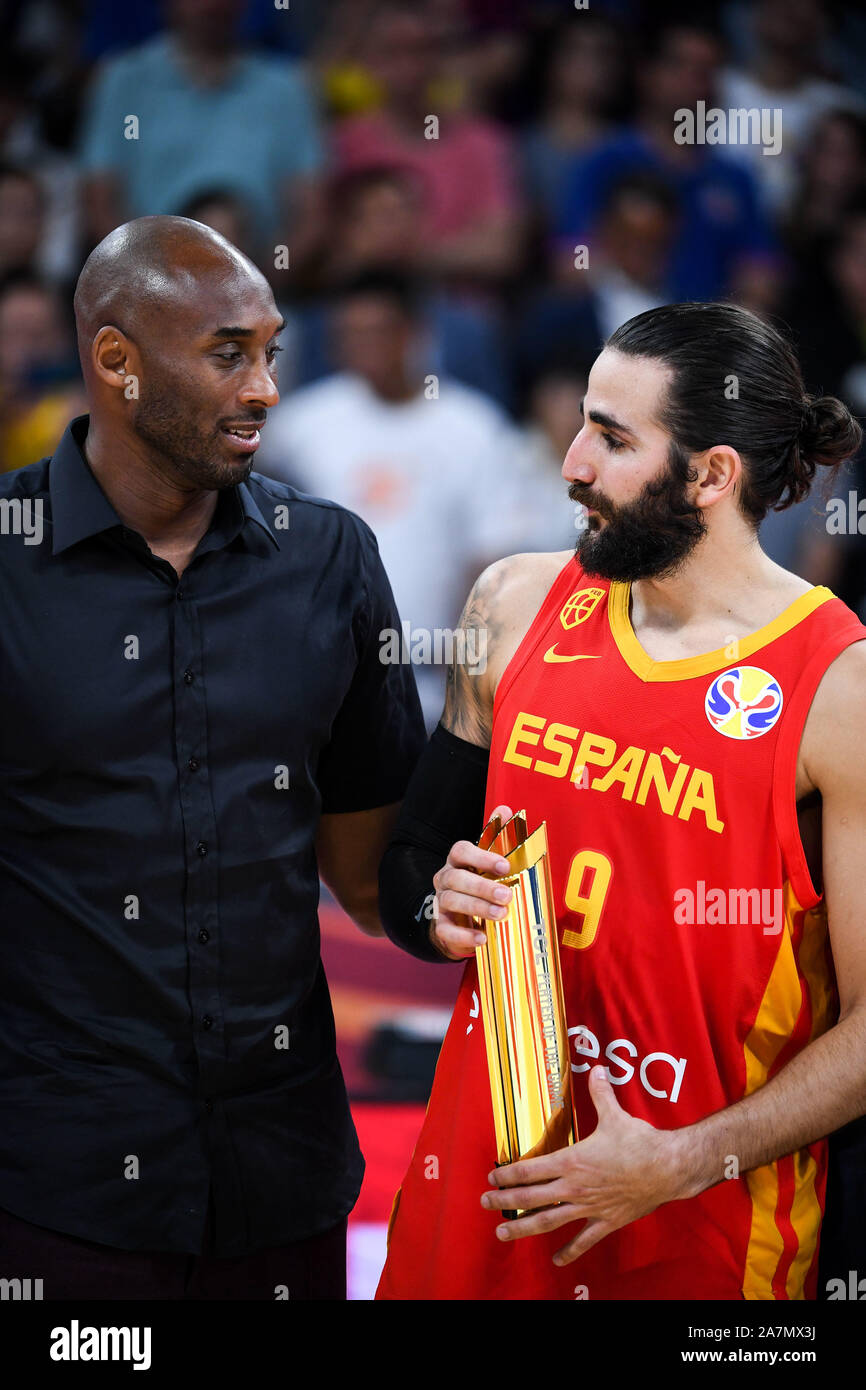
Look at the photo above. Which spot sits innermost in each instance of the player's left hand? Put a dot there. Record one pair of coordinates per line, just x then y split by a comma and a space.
624, 1170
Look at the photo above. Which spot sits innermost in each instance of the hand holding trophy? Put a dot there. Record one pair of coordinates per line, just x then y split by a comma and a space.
522, 1003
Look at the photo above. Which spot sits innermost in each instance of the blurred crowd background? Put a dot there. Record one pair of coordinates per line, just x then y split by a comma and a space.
456, 201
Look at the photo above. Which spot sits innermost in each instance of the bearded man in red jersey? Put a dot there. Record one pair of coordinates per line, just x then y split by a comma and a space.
687, 718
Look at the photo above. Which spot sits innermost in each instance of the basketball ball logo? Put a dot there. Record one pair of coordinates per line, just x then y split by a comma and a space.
744, 702
578, 607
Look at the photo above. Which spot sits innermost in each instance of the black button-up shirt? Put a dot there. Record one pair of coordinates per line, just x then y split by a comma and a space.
166, 749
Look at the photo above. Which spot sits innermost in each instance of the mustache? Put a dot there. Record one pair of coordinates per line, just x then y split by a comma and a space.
587, 498
253, 420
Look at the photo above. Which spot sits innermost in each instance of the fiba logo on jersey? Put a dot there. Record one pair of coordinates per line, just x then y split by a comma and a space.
743, 702
578, 607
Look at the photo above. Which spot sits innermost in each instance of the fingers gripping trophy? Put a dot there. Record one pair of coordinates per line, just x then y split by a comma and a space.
522, 1003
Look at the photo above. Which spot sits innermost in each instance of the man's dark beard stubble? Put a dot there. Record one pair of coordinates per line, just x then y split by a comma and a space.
649, 537
168, 429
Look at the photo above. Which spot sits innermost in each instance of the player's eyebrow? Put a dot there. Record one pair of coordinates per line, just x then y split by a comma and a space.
608, 422
235, 331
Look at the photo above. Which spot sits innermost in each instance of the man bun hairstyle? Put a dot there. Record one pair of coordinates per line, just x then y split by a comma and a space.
737, 381
829, 434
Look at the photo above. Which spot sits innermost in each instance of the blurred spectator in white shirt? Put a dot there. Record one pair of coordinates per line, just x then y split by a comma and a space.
431, 465
552, 419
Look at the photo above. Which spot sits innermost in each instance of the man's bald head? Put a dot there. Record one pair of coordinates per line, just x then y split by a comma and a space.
151, 268
177, 334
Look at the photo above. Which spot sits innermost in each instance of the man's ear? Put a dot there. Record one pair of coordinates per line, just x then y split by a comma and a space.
719, 469
113, 357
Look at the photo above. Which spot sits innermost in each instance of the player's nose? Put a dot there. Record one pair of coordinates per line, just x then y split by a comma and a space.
576, 467
260, 388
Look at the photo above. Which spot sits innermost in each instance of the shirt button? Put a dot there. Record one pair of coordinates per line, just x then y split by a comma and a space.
207, 1021
201, 848
180, 593
188, 676
193, 764
204, 935
208, 1105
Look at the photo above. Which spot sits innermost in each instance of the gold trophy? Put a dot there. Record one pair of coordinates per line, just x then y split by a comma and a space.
522, 1004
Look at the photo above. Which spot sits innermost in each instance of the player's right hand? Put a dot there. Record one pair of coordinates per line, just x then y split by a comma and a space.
462, 893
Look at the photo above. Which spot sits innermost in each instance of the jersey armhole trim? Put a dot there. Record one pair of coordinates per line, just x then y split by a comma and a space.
534, 633
787, 752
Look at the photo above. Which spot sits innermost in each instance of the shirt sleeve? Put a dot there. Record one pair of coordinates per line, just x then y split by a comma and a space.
378, 734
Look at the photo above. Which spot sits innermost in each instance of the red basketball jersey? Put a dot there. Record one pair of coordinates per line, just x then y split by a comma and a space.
693, 943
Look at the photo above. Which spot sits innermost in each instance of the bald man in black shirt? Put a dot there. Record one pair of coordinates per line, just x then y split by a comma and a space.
196, 724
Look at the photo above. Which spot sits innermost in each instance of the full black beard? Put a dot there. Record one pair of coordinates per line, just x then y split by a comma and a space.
648, 538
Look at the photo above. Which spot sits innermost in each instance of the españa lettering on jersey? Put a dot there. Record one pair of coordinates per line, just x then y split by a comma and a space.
698, 794
693, 942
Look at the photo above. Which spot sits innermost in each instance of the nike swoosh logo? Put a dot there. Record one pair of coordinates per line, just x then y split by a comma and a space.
552, 655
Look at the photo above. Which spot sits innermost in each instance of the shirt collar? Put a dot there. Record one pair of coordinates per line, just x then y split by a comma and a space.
79, 507
252, 511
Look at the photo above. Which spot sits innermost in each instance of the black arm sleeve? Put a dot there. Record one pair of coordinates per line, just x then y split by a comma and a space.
444, 802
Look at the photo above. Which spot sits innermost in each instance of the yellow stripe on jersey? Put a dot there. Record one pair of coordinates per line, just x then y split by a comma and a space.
774, 1023
806, 1219
766, 1247
806, 1212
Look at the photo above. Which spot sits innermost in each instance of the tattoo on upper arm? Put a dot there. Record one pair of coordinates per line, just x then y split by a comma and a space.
468, 709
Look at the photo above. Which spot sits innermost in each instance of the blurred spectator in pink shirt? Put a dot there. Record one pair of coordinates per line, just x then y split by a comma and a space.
463, 161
